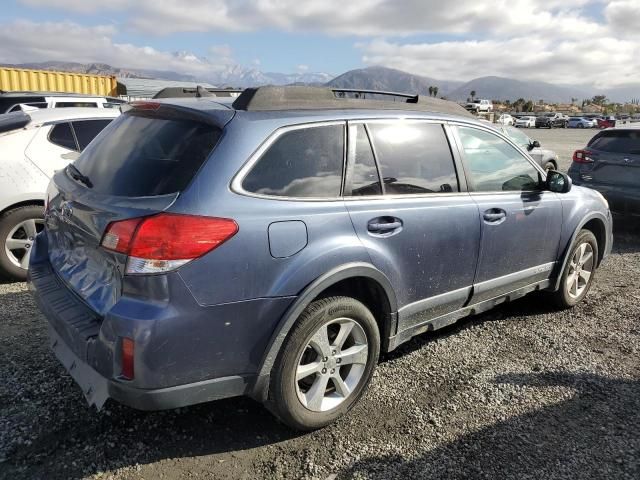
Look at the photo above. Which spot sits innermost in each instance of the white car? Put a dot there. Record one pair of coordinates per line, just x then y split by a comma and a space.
15, 101
526, 122
480, 105
33, 145
505, 119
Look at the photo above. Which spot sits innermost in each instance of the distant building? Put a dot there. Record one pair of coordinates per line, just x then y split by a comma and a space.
592, 108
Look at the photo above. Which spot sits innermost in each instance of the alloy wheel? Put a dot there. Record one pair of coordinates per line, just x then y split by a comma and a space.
331, 365
20, 240
580, 270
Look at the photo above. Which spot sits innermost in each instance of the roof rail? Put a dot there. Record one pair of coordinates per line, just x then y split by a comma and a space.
360, 93
325, 98
198, 91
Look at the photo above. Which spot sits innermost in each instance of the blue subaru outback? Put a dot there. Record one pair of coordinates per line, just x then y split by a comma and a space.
276, 246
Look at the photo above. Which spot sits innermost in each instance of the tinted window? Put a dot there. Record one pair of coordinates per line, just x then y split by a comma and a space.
141, 155
301, 163
617, 141
75, 104
414, 157
363, 177
87, 130
494, 165
62, 135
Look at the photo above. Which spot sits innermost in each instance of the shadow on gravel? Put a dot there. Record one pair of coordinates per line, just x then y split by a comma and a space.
592, 435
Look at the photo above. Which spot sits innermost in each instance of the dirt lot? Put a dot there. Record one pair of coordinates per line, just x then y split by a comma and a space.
520, 392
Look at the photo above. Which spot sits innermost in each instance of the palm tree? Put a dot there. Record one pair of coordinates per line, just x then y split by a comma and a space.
473, 95
435, 91
430, 91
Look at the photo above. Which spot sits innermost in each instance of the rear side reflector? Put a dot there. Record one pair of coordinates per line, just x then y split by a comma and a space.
582, 156
126, 361
164, 242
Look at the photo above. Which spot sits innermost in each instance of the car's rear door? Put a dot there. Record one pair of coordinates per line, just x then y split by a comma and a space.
521, 223
53, 147
418, 224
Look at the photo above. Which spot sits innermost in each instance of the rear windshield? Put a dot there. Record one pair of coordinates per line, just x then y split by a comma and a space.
140, 155
617, 141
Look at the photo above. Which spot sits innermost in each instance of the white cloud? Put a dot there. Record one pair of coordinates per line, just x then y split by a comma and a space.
24, 41
302, 68
551, 40
590, 60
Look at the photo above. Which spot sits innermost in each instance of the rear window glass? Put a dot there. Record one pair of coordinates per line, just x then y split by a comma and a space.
87, 130
141, 155
75, 104
617, 141
62, 136
301, 163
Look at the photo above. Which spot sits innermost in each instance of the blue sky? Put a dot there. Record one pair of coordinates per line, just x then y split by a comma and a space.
591, 42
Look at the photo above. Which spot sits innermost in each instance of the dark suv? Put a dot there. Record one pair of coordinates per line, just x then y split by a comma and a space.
277, 246
551, 120
610, 163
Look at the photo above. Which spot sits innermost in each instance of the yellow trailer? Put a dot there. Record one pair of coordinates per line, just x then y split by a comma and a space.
23, 79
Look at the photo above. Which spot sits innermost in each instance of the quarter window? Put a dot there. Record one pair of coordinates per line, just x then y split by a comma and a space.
305, 162
414, 157
62, 136
75, 104
494, 165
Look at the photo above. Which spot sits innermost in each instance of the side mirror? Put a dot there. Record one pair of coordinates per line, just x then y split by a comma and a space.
535, 144
558, 182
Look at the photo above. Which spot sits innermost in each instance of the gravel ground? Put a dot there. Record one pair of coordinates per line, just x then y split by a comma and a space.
520, 392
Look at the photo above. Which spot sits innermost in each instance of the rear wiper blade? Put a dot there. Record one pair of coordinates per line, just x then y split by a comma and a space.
77, 175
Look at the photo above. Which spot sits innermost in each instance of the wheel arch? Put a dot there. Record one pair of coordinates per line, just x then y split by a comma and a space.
596, 223
359, 280
23, 203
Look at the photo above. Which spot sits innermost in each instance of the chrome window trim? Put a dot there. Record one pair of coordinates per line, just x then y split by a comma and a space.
236, 182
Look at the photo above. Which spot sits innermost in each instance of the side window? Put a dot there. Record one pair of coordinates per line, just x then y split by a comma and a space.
305, 162
87, 130
363, 177
75, 104
494, 165
62, 136
414, 157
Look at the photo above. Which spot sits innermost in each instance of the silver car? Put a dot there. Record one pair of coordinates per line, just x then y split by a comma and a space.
547, 159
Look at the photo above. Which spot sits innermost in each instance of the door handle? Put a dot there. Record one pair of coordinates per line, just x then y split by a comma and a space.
384, 226
381, 227
494, 215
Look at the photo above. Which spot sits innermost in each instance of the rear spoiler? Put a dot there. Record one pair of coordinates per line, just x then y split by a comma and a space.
217, 117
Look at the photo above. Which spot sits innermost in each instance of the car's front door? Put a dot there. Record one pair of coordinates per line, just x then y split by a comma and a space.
419, 226
521, 223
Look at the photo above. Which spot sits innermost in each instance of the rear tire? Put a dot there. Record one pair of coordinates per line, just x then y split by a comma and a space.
578, 274
325, 364
18, 228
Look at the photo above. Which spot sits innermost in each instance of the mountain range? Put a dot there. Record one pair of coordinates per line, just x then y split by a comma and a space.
370, 78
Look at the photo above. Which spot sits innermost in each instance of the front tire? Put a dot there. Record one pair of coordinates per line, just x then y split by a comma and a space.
18, 228
325, 364
578, 274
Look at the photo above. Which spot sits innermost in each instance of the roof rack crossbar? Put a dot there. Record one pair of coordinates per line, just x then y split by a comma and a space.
411, 98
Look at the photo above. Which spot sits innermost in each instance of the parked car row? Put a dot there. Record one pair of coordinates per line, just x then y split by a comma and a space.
275, 246
15, 101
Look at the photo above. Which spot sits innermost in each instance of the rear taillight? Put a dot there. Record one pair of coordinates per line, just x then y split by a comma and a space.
582, 156
166, 241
